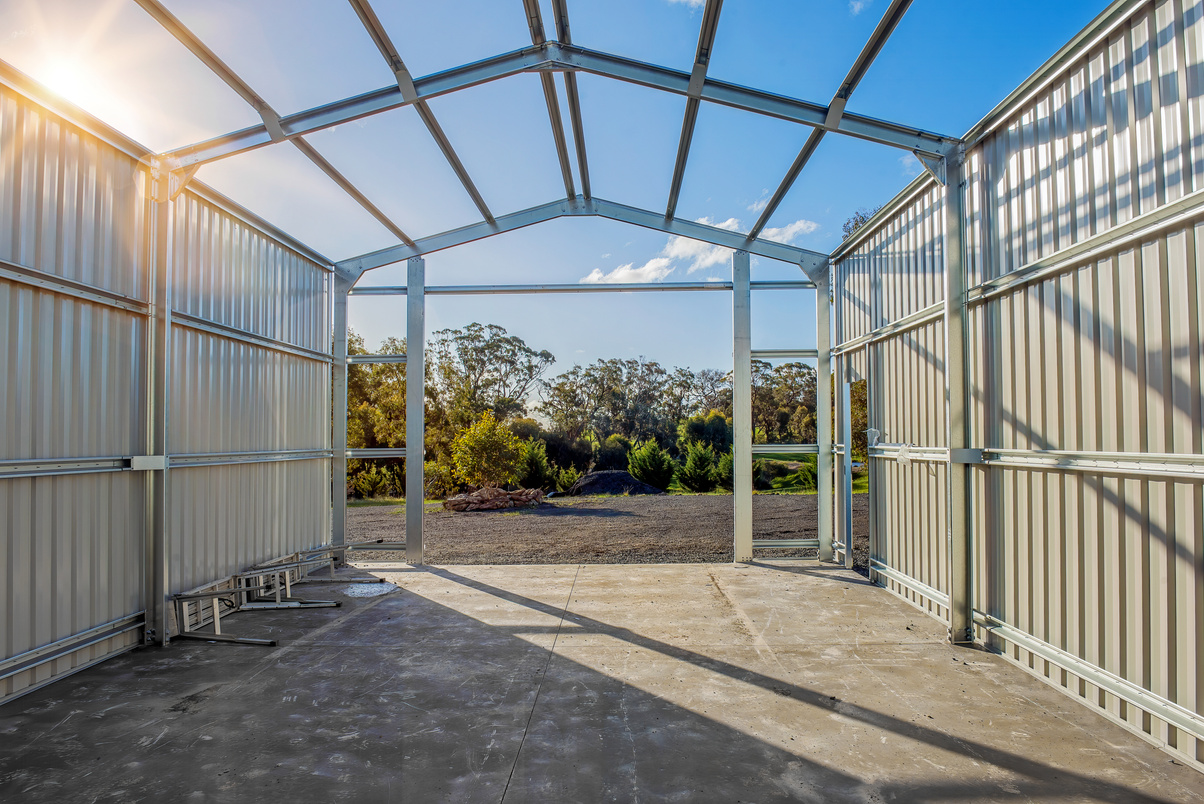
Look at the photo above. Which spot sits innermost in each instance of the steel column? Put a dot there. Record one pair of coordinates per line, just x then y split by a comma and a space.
961, 624
741, 408
846, 469
823, 412
415, 404
338, 436
158, 582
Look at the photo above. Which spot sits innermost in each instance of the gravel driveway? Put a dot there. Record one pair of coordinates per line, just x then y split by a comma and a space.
602, 530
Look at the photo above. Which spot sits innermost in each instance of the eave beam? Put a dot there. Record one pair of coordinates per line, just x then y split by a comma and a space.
702, 59
409, 93
886, 26
535, 24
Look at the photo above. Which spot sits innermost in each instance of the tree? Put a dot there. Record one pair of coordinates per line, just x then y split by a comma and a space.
534, 471
486, 453
858, 219
698, 472
480, 368
713, 430
651, 464
714, 390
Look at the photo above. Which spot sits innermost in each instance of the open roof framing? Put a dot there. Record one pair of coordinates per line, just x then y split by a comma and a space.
546, 57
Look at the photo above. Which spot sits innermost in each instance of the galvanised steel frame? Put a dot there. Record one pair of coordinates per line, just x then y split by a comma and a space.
939, 154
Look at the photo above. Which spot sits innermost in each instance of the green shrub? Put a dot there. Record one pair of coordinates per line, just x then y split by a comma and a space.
534, 471
651, 464
487, 453
378, 481
440, 481
698, 472
565, 478
725, 470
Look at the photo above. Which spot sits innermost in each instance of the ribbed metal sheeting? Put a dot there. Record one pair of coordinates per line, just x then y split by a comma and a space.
1084, 213
255, 414
911, 511
72, 386
249, 377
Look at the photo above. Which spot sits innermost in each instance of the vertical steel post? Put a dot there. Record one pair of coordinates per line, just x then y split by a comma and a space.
961, 627
159, 414
846, 474
338, 436
823, 412
415, 404
742, 434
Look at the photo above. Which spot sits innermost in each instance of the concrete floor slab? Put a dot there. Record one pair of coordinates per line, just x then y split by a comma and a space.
791, 682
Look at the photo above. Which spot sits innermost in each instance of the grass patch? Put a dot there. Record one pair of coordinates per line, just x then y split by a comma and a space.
377, 502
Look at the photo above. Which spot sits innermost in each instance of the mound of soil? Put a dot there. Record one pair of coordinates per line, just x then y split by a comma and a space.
611, 481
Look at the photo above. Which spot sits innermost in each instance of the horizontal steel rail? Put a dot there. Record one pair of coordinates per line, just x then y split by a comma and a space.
578, 287
68, 645
49, 467
357, 360
1169, 466
934, 312
230, 458
908, 582
1131, 233
232, 333
892, 452
770, 449
14, 272
389, 452
784, 544
1138, 696
781, 354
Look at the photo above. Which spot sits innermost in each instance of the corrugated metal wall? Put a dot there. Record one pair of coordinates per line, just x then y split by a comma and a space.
250, 418
249, 373
1083, 218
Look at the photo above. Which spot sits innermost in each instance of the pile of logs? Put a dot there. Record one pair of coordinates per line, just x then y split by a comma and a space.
488, 499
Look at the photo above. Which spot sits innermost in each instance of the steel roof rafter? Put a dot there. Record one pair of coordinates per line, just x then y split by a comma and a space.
535, 24
809, 261
405, 84
698, 74
566, 58
564, 34
886, 26
271, 120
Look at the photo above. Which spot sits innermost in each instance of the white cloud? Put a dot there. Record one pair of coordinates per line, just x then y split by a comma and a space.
909, 166
694, 254
788, 233
690, 3
654, 270
700, 255
606, 256
761, 202
857, 6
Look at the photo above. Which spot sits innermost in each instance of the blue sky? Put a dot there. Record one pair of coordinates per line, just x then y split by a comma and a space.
945, 67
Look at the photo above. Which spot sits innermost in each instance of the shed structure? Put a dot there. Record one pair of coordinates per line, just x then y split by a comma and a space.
1027, 315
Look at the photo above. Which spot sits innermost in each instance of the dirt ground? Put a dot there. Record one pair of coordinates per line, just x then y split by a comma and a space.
603, 530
